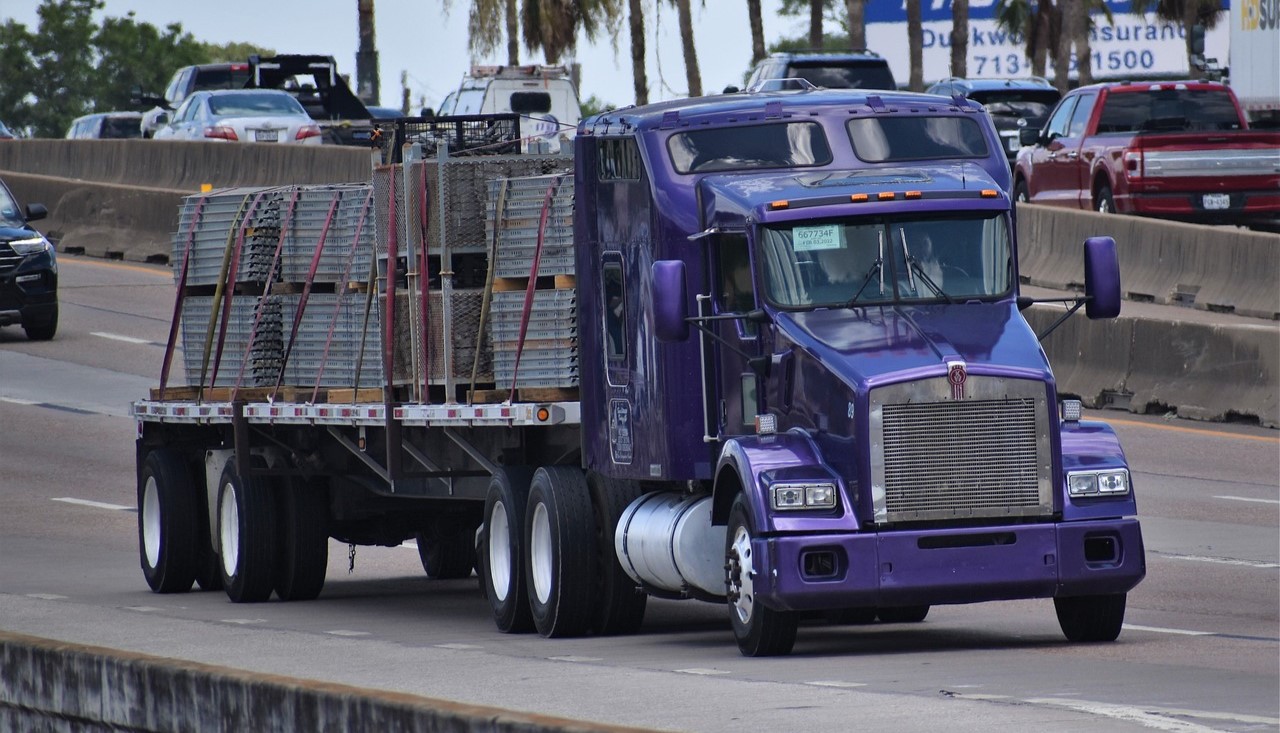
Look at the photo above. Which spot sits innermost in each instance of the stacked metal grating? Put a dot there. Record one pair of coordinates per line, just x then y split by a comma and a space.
550, 354
318, 359
513, 215
243, 363
290, 220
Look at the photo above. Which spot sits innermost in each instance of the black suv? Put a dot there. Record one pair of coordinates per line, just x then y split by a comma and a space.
1012, 103
28, 271
843, 70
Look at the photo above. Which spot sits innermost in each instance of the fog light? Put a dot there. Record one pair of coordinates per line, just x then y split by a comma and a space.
1071, 410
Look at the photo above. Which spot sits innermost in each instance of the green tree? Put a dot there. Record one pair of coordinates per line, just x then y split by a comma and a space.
62, 83
16, 66
1186, 13
132, 54
551, 26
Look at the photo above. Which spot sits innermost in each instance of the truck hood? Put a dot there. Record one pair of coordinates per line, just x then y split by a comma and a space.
867, 347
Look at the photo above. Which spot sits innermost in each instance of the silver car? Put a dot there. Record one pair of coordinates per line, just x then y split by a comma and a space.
241, 115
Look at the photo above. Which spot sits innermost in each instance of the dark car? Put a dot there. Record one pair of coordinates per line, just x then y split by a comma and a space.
845, 70
106, 125
28, 270
1012, 103
186, 80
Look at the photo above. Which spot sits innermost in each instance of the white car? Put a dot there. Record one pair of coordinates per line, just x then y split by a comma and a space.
242, 115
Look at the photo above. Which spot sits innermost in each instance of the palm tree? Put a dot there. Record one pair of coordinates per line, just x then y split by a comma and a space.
815, 24
915, 45
692, 75
857, 10
1186, 13
551, 26
960, 38
1036, 21
757, 31
488, 21
639, 78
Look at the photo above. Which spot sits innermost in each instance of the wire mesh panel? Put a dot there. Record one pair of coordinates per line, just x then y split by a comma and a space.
258, 354
351, 357
468, 135
550, 354
514, 216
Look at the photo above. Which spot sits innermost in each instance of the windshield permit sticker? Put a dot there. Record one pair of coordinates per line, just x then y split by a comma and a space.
809, 239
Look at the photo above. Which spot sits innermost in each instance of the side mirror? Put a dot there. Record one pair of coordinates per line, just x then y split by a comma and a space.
162, 119
1101, 278
1029, 135
36, 211
427, 112
670, 297
731, 89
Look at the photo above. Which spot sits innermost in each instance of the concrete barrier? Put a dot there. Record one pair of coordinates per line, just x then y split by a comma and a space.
55, 686
1201, 371
1213, 268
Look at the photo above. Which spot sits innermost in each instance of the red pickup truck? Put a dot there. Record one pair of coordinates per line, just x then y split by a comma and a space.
1176, 150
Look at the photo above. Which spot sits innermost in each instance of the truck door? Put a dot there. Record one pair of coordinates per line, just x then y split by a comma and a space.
739, 389
1051, 179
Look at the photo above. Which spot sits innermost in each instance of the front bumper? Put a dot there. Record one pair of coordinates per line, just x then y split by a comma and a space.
28, 295
969, 565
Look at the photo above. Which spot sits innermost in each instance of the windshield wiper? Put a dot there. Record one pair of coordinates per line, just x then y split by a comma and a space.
914, 268
877, 267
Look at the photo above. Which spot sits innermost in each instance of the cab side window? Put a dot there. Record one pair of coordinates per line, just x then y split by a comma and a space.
1057, 126
1080, 117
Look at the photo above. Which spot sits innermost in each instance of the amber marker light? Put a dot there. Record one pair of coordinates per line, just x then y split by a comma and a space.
885, 195
912, 194
543, 414
779, 204
989, 193
858, 198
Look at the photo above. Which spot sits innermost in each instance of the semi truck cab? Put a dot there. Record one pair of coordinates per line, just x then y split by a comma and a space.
821, 334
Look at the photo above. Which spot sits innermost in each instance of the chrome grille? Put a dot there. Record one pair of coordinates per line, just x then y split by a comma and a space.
937, 458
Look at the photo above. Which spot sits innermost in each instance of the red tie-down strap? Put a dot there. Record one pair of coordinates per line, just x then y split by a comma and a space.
533, 279
271, 276
177, 304
306, 293
337, 306
233, 267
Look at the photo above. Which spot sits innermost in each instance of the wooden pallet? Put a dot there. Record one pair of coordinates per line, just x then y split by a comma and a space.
523, 394
547, 282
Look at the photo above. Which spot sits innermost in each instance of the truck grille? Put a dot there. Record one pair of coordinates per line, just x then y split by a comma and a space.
937, 458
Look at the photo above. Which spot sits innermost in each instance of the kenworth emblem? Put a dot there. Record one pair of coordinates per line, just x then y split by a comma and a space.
957, 375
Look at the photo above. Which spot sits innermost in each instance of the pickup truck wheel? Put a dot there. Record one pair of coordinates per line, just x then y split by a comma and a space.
903, 614
303, 530
1103, 202
42, 330
1091, 618
246, 535
502, 543
448, 555
1020, 192
561, 561
760, 630
167, 522
620, 605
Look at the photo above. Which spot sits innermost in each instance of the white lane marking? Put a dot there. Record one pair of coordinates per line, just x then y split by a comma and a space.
1143, 716
142, 609
409, 544
118, 337
1245, 498
1222, 560
244, 621
345, 632
1162, 630
94, 504
575, 659
835, 683
17, 401
703, 672
1210, 715
458, 646
46, 596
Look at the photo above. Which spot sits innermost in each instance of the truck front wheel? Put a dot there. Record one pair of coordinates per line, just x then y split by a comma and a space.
502, 549
561, 561
246, 535
1091, 618
167, 523
760, 630
1103, 202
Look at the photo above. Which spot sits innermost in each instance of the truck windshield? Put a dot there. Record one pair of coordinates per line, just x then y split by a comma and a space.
846, 263
782, 145
899, 138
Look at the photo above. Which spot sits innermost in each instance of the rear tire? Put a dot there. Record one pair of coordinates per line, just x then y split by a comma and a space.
1091, 618
303, 531
448, 554
1103, 202
1021, 194
620, 605
167, 522
760, 630
503, 547
561, 562
903, 614
246, 536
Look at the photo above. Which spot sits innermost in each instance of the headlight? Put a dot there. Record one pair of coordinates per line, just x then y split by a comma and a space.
802, 496
1111, 482
30, 246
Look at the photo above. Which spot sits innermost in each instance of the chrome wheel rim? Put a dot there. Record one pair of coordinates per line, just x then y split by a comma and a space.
741, 575
540, 555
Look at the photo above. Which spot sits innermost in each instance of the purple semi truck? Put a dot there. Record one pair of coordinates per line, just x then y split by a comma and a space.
801, 381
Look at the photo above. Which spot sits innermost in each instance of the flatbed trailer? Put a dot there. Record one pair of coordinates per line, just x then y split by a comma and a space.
779, 364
